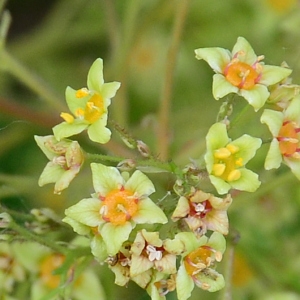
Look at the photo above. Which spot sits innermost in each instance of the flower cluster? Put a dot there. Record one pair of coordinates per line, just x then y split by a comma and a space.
173, 247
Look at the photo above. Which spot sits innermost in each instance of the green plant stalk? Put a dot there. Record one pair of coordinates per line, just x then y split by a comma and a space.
166, 95
37, 238
35, 83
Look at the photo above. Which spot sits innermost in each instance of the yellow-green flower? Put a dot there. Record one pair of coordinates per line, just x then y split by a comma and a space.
116, 207
226, 160
241, 72
198, 263
88, 107
66, 159
285, 129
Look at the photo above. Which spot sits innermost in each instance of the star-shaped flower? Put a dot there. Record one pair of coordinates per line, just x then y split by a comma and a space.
88, 107
116, 207
226, 160
285, 129
241, 72
203, 211
66, 159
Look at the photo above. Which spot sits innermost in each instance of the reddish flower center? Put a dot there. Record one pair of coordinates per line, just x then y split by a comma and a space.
288, 139
119, 206
200, 209
241, 75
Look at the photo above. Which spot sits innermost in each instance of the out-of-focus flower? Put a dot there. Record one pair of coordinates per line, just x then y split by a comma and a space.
203, 211
285, 129
226, 160
116, 207
88, 107
66, 159
241, 72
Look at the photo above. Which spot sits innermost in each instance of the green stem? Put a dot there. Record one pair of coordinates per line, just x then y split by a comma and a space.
14, 67
166, 95
43, 240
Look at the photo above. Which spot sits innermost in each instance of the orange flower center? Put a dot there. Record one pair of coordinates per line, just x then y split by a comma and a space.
48, 265
226, 163
288, 139
119, 206
241, 75
198, 260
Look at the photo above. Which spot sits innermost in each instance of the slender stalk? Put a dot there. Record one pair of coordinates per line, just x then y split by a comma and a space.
35, 83
166, 95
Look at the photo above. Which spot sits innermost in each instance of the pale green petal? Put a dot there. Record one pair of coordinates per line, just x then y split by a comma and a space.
108, 90
86, 211
248, 181
149, 213
121, 274
64, 181
217, 137
74, 102
95, 76
97, 131
217, 242
51, 173
41, 140
293, 110
98, 248
190, 241
182, 209
215, 282
274, 156
221, 87
294, 165
243, 45
140, 184
115, 235
257, 96
248, 146
106, 179
216, 57
209, 160
273, 119
65, 129
77, 226
184, 284
273, 74
139, 264
221, 186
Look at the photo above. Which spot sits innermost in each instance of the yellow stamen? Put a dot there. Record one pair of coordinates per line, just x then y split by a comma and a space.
82, 93
222, 153
232, 148
239, 162
79, 112
219, 169
234, 175
67, 117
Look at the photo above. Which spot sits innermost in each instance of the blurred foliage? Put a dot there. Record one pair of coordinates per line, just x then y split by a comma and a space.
56, 41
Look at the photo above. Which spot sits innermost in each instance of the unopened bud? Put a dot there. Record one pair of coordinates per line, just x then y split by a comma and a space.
5, 220
143, 149
126, 165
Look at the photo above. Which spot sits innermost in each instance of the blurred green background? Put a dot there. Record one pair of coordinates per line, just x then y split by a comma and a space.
56, 43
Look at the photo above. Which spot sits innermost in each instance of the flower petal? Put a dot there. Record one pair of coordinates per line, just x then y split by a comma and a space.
115, 235
77, 226
215, 281
51, 173
273, 74
248, 181
98, 248
274, 157
221, 186
273, 119
216, 57
95, 76
217, 137
42, 141
257, 96
294, 165
98, 132
86, 212
106, 179
65, 129
149, 213
293, 110
108, 90
221, 87
248, 55
74, 102
184, 284
247, 147
140, 184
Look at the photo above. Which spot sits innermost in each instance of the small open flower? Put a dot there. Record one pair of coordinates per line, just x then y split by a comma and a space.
117, 206
226, 160
89, 107
198, 264
203, 211
241, 72
148, 252
66, 159
285, 128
